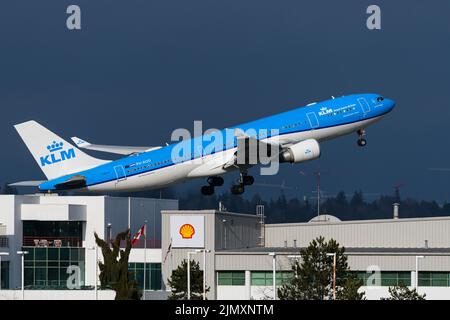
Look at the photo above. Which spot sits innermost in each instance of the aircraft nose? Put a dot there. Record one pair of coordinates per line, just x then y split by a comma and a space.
389, 104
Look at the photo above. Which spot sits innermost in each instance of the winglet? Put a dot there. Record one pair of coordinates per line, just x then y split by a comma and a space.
80, 142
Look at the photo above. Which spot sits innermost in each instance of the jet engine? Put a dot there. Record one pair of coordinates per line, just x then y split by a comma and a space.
303, 151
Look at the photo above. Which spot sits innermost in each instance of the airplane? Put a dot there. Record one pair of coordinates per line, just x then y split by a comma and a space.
297, 138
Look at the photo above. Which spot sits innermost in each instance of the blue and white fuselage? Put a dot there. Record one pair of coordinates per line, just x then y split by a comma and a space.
157, 168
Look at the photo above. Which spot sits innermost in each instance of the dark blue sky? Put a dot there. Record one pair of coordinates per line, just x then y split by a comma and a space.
139, 69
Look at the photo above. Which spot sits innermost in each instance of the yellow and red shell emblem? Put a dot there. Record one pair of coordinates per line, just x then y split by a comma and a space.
187, 231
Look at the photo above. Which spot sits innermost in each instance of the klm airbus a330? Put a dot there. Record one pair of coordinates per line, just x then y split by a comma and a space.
299, 133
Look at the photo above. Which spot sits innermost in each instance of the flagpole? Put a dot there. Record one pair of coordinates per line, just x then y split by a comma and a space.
145, 254
171, 259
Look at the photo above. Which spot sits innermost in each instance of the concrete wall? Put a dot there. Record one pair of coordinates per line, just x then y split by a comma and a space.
57, 295
371, 293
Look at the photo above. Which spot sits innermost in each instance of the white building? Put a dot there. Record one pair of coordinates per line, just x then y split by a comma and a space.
382, 253
58, 232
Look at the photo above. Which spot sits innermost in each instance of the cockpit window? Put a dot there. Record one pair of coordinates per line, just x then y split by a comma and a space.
380, 99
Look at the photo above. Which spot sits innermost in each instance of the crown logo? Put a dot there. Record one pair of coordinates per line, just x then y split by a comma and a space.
187, 231
55, 146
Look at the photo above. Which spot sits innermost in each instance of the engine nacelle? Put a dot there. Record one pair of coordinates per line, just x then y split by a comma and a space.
300, 152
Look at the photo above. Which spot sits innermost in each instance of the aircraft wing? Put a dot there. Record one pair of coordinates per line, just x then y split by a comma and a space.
244, 149
126, 150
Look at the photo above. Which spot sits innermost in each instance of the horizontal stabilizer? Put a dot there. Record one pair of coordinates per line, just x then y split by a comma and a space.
125, 150
27, 183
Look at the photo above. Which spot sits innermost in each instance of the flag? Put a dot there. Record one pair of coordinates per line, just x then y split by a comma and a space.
168, 250
140, 233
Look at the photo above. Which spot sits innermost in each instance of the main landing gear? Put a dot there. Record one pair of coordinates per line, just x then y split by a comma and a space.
361, 141
244, 180
212, 182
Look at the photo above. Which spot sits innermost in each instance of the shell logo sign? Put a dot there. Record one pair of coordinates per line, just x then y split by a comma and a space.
187, 231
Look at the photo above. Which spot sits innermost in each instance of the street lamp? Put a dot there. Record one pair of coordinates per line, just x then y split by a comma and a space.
274, 270
23, 253
334, 272
109, 227
145, 254
189, 271
96, 271
204, 272
417, 270
225, 232
2, 254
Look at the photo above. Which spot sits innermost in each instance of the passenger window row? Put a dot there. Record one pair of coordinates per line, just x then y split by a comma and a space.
147, 166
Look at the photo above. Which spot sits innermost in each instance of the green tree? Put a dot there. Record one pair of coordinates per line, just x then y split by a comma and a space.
114, 272
178, 282
313, 276
402, 292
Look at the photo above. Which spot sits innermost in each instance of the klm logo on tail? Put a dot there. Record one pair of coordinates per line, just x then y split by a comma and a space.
57, 154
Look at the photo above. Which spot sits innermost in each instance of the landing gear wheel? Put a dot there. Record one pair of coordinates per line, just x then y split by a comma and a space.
362, 142
207, 190
248, 180
215, 181
237, 189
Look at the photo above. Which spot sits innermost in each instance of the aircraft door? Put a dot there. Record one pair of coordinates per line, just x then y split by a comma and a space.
120, 173
313, 121
364, 105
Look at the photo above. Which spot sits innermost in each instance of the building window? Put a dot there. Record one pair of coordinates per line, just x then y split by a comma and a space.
231, 278
46, 268
4, 242
434, 279
52, 233
265, 278
387, 278
4, 284
152, 275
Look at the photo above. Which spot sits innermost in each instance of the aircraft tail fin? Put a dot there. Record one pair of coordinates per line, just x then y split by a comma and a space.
55, 156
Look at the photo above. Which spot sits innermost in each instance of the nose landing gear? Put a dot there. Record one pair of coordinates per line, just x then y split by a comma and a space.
361, 134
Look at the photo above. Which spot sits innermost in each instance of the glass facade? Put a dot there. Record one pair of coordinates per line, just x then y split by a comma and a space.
231, 278
69, 233
265, 278
434, 279
387, 278
4, 284
46, 268
153, 277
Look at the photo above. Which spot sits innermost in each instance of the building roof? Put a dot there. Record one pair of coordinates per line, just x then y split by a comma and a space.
331, 222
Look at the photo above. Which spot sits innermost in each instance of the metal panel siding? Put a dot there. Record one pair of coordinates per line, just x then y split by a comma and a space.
357, 262
399, 262
251, 262
239, 231
401, 233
